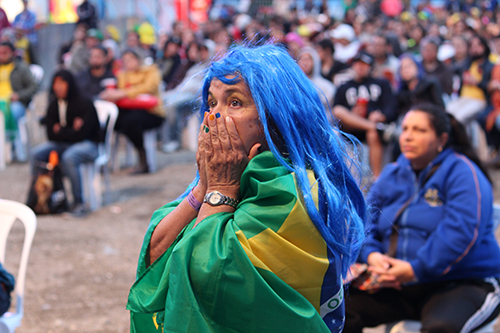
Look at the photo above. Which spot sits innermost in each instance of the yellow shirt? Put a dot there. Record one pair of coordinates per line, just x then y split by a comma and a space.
471, 91
5, 87
145, 80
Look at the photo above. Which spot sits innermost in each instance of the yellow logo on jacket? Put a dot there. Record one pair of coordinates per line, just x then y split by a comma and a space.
432, 198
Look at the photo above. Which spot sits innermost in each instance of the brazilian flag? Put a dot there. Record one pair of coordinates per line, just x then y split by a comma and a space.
263, 268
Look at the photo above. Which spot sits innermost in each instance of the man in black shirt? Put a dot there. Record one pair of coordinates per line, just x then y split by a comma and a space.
362, 105
93, 81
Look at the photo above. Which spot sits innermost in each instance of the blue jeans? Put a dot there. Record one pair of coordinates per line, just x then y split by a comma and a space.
71, 155
17, 110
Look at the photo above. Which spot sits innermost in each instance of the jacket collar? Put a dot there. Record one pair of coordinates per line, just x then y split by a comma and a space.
406, 167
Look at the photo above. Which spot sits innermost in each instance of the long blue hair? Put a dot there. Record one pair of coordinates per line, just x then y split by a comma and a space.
299, 135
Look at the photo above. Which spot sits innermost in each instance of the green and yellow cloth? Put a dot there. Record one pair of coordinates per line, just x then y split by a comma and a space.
263, 268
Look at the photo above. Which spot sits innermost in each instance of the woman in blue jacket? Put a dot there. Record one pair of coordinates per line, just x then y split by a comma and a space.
431, 247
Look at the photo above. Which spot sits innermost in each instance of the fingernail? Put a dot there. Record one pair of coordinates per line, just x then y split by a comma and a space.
205, 115
211, 117
217, 115
207, 129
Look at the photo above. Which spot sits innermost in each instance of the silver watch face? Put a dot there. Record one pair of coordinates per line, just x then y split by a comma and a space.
215, 198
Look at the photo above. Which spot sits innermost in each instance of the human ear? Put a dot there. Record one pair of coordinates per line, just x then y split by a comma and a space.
443, 139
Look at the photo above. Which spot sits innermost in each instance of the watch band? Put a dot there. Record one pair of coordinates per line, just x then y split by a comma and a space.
223, 199
193, 202
230, 202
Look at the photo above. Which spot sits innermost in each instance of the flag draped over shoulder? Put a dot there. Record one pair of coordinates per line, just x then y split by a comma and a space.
263, 268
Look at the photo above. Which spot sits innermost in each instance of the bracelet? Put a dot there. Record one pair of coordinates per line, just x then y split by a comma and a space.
193, 202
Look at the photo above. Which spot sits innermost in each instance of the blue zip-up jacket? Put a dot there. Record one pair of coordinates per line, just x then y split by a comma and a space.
446, 231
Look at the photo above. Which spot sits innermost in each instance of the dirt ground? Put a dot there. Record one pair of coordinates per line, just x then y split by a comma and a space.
80, 269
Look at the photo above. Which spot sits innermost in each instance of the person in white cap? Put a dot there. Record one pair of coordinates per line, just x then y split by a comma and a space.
346, 43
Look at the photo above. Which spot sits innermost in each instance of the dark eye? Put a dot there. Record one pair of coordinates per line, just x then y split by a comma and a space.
211, 104
235, 103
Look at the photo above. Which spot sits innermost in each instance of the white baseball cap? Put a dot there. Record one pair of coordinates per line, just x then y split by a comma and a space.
344, 31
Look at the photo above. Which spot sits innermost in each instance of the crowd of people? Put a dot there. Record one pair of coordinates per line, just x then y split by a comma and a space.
420, 88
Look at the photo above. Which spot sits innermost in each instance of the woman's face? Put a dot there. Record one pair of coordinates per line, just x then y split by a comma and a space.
460, 46
476, 48
408, 69
193, 53
60, 87
419, 142
306, 63
236, 102
130, 62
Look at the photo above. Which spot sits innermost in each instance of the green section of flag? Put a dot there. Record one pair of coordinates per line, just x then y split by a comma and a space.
205, 282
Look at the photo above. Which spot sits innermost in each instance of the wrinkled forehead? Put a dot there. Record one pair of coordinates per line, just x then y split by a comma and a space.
232, 82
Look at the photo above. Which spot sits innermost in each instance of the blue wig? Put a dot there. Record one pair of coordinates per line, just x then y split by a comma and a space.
297, 131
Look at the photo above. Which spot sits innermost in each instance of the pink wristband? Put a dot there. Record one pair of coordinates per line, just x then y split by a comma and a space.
193, 202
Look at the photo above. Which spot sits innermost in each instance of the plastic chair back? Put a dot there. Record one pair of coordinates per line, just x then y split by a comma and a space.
107, 113
10, 211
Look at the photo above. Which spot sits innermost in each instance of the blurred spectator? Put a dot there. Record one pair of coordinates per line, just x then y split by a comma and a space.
386, 64
460, 61
474, 95
26, 23
170, 60
112, 32
361, 104
294, 43
4, 20
134, 80
346, 45
94, 80
435, 68
17, 87
329, 66
430, 247
310, 64
192, 57
80, 52
133, 43
490, 118
147, 40
113, 61
181, 102
73, 131
416, 33
415, 87
64, 56
87, 14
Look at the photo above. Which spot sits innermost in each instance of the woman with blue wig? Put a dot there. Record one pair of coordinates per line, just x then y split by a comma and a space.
261, 239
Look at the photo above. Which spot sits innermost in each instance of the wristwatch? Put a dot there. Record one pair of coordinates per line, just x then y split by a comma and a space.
216, 198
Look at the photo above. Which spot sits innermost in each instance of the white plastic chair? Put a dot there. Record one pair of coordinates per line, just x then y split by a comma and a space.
91, 172
9, 212
150, 145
